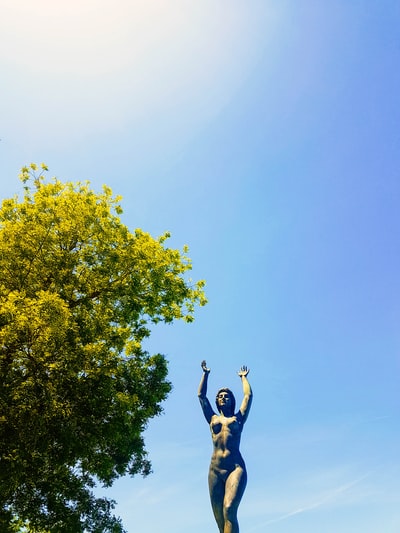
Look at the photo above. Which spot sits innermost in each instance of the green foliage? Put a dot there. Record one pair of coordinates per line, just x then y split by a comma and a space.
78, 292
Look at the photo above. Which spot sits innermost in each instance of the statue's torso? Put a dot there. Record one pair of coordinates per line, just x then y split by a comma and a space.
225, 433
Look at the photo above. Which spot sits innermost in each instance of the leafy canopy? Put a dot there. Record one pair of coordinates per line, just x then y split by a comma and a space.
78, 293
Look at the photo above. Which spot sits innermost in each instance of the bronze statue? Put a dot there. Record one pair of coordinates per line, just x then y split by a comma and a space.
227, 476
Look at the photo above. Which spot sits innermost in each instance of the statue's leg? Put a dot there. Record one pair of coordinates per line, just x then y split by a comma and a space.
234, 489
217, 489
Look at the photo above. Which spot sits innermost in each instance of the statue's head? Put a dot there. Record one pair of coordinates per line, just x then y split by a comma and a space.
225, 401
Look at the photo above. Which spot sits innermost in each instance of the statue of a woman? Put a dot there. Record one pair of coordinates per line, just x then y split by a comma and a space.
227, 475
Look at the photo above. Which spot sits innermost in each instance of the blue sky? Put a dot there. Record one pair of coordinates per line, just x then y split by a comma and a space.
265, 135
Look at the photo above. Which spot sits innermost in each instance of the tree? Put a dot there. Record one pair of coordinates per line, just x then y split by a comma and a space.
78, 293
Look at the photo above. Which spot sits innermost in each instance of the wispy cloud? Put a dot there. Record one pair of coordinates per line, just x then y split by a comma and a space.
330, 496
383, 417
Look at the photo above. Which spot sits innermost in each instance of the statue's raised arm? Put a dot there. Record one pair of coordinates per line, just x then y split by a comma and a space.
202, 394
247, 393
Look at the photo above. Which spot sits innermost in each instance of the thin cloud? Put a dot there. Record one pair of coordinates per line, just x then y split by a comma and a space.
383, 417
329, 497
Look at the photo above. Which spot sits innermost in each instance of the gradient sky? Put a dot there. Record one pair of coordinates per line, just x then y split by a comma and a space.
266, 136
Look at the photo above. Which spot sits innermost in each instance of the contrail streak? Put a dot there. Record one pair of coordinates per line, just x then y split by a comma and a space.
314, 505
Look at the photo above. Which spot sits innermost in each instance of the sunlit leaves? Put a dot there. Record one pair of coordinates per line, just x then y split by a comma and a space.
78, 293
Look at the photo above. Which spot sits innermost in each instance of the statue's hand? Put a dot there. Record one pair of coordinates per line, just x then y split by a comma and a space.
204, 367
243, 371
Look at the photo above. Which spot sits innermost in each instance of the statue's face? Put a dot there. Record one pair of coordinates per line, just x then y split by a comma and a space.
225, 402
224, 398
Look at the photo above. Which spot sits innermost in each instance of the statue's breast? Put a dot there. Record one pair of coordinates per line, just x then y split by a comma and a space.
216, 427
233, 425
229, 425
